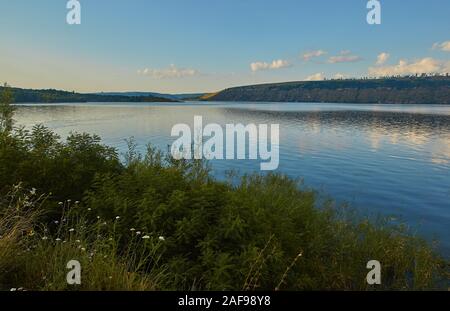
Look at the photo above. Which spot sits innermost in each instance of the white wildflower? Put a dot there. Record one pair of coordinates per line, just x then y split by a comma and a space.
146, 237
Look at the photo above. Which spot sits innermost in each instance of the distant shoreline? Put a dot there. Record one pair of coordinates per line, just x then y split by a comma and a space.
434, 90
52, 96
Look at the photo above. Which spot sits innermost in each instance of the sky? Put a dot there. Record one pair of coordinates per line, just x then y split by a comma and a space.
189, 46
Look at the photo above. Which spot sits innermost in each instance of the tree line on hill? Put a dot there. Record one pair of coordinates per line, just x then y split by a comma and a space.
391, 90
57, 96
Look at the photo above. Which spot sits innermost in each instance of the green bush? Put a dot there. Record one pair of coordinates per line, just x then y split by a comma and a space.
65, 170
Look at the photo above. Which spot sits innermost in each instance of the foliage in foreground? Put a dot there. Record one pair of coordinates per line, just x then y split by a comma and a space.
35, 256
153, 223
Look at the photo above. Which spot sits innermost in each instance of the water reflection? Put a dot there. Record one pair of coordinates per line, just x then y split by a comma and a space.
424, 133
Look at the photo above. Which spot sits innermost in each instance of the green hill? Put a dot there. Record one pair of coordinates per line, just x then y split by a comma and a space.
398, 90
56, 96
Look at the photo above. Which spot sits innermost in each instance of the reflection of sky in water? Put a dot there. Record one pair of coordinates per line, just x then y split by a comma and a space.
380, 158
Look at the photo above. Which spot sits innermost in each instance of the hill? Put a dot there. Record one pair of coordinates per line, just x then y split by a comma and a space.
56, 96
398, 90
189, 96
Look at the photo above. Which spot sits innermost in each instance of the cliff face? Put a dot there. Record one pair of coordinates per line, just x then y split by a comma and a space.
411, 90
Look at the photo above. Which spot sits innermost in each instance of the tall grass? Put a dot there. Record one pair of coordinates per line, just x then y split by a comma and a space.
34, 256
16, 222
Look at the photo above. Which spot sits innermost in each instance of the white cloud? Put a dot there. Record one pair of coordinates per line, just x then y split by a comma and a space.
444, 46
312, 54
344, 57
276, 64
404, 67
382, 58
169, 73
316, 77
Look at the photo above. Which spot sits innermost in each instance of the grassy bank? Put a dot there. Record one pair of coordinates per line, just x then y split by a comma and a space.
153, 223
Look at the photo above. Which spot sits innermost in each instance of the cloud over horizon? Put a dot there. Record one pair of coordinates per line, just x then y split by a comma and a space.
444, 46
382, 58
312, 54
173, 72
405, 67
276, 64
344, 57
316, 77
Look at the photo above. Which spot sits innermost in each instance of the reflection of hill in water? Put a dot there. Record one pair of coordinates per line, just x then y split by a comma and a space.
399, 121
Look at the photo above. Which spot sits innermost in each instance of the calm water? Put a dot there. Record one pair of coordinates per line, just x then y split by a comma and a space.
393, 160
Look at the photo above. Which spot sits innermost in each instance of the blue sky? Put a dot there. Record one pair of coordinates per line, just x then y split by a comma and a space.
207, 45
